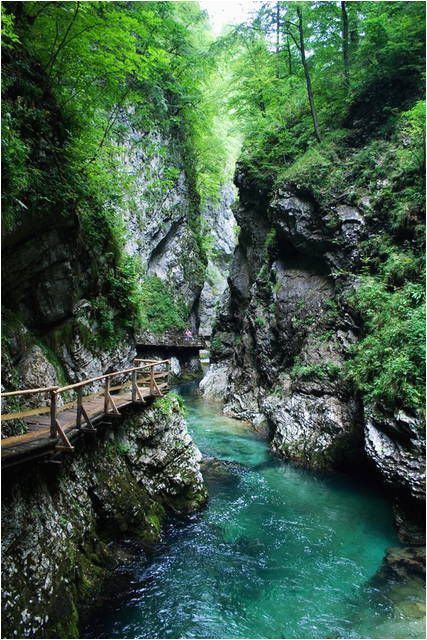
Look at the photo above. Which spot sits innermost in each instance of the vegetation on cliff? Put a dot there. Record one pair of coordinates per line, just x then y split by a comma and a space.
327, 96
331, 99
77, 76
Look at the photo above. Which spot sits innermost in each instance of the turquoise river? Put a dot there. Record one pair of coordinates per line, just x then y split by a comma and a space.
277, 553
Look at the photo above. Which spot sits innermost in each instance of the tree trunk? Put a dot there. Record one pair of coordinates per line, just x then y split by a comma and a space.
288, 46
277, 39
345, 56
307, 76
354, 33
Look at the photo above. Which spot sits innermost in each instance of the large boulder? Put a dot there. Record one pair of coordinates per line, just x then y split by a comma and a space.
396, 445
81, 362
299, 220
215, 381
35, 369
317, 432
333, 235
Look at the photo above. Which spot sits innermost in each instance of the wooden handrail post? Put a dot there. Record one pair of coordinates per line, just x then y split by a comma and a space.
52, 414
106, 394
134, 385
79, 408
152, 380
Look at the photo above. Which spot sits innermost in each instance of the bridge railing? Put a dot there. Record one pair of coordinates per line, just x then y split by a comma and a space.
29, 411
144, 368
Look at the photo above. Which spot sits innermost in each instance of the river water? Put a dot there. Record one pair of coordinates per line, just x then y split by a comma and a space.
277, 553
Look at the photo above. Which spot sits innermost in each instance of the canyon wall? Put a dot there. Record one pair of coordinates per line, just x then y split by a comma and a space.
62, 524
283, 335
65, 312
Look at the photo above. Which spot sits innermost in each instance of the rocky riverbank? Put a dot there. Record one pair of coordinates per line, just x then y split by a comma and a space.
60, 522
284, 333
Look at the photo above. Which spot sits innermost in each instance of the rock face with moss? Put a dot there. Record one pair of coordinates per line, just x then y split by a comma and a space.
286, 329
66, 303
59, 522
82, 270
60, 298
161, 214
221, 229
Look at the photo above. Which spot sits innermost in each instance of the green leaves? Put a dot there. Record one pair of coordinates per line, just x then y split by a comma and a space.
384, 71
388, 363
159, 311
368, 93
86, 78
8, 35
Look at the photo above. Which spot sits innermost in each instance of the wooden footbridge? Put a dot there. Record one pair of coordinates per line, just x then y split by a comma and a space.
74, 409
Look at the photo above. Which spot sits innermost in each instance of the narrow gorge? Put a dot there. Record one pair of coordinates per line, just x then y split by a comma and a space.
284, 333
213, 319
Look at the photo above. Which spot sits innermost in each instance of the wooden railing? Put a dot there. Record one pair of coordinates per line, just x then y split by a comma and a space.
170, 339
152, 379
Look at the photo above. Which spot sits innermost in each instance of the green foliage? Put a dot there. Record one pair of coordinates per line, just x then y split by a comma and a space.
159, 311
372, 152
388, 363
76, 77
260, 322
52, 357
105, 332
123, 448
303, 322
270, 239
268, 90
321, 169
171, 403
414, 128
8, 35
326, 336
116, 447
215, 344
325, 371
215, 140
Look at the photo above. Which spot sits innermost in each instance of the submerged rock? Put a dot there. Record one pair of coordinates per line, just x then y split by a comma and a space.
404, 563
220, 472
402, 578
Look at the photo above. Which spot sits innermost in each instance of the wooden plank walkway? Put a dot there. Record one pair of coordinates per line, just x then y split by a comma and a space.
52, 429
172, 340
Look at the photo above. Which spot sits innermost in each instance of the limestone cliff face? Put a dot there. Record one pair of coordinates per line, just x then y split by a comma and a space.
220, 224
59, 523
49, 283
51, 279
283, 333
160, 211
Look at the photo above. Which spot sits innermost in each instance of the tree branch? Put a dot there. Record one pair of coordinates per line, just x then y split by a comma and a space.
111, 121
63, 42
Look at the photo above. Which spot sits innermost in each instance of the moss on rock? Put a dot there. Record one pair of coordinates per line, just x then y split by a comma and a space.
60, 523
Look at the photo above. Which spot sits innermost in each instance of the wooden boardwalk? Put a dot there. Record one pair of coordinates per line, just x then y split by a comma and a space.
172, 340
52, 428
